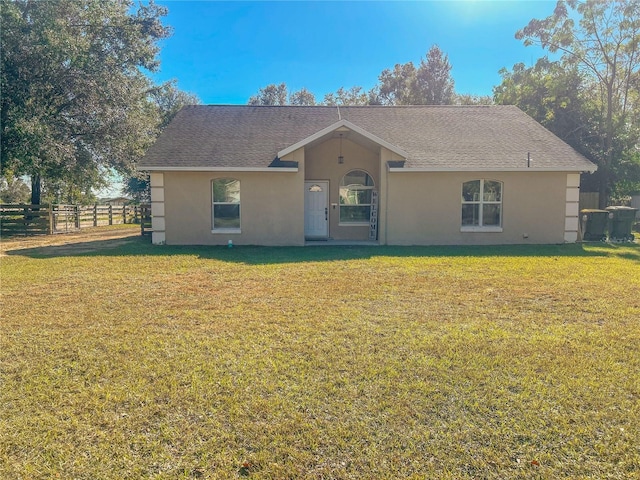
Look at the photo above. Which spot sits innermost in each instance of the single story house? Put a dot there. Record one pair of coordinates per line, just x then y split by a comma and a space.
401, 175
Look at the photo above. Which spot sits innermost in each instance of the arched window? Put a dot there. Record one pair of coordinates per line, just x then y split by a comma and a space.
355, 197
226, 204
482, 204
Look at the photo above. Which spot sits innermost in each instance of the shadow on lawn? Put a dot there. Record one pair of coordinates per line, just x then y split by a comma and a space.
255, 255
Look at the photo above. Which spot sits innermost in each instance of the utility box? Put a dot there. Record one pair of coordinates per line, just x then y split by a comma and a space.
622, 219
594, 224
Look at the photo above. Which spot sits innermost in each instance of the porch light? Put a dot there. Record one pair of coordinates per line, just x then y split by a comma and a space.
340, 157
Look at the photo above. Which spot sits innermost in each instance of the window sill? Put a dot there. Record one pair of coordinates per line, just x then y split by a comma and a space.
482, 229
226, 230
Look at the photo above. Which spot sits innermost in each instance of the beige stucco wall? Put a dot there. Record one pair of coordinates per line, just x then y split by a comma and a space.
385, 156
271, 208
415, 208
321, 163
425, 208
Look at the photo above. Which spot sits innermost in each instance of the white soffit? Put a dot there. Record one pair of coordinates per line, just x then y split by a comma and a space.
340, 126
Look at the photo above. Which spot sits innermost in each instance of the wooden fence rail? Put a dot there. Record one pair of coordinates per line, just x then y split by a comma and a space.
24, 219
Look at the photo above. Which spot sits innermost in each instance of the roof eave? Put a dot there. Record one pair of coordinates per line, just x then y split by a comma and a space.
160, 168
491, 169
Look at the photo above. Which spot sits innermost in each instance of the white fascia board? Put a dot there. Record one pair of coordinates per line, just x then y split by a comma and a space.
331, 128
490, 169
309, 139
157, 168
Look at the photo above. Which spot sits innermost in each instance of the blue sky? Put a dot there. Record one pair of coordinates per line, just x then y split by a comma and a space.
225, 51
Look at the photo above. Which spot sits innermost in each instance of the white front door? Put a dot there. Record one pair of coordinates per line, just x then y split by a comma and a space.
316, 209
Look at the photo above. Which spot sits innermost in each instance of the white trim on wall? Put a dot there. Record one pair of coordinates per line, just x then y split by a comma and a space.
156, 179
572, 207
157, 193
158, 238
158, 235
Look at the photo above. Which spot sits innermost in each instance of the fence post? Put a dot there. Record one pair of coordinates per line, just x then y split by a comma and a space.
110, 214
124, 214
95, 215
51, 228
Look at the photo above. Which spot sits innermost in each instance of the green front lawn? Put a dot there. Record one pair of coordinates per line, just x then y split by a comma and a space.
134, 361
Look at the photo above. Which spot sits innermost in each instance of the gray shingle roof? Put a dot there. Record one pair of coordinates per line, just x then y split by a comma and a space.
434, 137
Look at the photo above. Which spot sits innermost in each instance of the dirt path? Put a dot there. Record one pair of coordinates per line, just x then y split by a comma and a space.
79, 242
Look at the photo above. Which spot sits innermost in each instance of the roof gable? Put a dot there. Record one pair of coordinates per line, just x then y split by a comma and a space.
341, 124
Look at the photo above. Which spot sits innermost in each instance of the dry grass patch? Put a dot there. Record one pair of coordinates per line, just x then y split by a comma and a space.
161, 362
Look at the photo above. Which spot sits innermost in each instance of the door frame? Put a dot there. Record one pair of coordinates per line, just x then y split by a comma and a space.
307, 184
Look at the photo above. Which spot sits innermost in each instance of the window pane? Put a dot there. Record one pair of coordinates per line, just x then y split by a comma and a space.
491, 215
354, 196
226, 216
226, 190
471, 191
492, 191
471, 214
355, 214
357, 177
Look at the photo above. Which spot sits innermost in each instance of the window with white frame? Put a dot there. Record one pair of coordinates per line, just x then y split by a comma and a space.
355, 197
482, 205
226, 204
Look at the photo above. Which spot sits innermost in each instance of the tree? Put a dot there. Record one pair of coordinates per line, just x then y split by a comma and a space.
605, 46
429, 84
469, 99
74, 96
352, 96
138, 187
277, 95
557, 97
272, 94
627, 175
398, 86
74, 182
167, 99
13, 189
434, 83
302, 97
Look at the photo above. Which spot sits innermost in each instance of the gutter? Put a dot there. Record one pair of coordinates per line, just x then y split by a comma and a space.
158, 168
492, 169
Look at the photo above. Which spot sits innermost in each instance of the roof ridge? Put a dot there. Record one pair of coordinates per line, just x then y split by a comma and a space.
424, 106
257, 106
